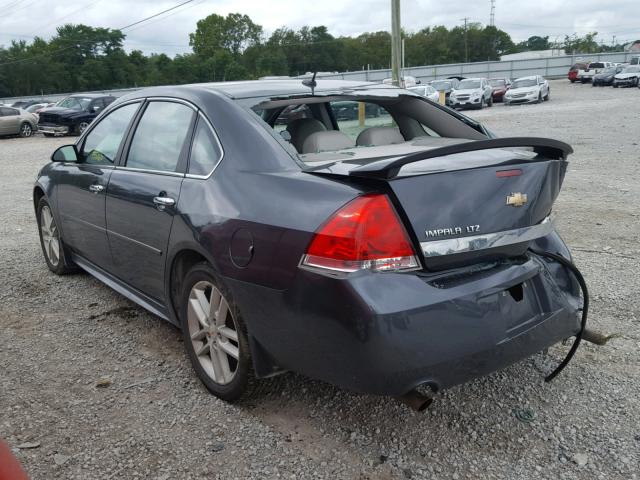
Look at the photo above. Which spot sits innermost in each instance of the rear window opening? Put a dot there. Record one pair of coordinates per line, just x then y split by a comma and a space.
329, 128
517, 292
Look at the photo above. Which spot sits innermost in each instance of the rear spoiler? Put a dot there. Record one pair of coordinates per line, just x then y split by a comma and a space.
387, 169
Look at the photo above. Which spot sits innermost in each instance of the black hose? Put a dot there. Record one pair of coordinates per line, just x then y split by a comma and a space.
585, 308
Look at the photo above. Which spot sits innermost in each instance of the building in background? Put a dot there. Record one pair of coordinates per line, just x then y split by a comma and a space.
534, 54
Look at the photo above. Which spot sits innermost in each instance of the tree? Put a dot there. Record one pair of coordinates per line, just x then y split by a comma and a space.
233, 33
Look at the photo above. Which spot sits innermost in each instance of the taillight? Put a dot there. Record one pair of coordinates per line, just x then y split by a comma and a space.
364, 234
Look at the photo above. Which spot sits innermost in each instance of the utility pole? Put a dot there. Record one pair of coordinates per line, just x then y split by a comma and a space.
396, 44
466, 43
492, 17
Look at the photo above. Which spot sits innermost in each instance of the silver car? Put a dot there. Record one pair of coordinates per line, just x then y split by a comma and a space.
14, 121
472, 93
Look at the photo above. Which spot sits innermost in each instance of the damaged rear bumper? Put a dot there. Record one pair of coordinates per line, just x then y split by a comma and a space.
388, 333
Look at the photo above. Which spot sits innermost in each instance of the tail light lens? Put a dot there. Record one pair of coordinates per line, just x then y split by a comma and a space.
364, 234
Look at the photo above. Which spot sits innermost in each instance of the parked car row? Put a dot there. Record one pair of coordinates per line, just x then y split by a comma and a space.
461, 93
70, 116
607, 73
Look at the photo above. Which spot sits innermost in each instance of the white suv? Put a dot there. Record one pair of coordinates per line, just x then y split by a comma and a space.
472, 93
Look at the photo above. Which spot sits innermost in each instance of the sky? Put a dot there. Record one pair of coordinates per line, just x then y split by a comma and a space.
169, 33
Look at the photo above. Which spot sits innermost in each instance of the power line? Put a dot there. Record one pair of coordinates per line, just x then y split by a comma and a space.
84, 7
155, 15
199, 2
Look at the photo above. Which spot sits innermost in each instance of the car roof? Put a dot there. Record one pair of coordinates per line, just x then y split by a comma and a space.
285, 87
90, 95
530, 77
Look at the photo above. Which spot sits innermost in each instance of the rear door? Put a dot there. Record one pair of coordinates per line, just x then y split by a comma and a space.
9, 121
82, 186
143, 194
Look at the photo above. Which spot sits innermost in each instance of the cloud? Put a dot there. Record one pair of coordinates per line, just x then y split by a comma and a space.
169, 33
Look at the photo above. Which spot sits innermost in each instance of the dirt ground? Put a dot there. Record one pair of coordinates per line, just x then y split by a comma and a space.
94, 387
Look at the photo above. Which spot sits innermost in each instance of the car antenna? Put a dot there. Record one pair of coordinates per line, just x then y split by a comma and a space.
311, 83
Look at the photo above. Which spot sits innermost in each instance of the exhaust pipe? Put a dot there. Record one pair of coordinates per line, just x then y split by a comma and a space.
597, 338
416, 400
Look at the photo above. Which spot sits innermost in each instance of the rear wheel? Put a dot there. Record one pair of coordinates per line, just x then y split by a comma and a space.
215, 336
51, 241
26, 130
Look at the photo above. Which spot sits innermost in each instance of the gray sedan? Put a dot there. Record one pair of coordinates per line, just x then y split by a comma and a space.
14, 121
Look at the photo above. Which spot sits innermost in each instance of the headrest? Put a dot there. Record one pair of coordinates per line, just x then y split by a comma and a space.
328, 141
302, 128
375, 136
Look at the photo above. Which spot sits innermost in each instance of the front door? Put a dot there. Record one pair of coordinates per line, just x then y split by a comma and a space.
143, 194
83, 186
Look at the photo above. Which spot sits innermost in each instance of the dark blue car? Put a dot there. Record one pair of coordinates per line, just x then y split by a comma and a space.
379, 254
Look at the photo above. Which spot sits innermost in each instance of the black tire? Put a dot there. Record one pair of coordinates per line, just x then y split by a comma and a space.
635, 82
583, 81
481, 104
572, 81
64, 265
49, 135
548, 97
26, 130
615, 85
540, 100
491, 101
243, 384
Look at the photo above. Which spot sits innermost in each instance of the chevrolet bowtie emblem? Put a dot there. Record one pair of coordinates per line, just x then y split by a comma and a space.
517, 199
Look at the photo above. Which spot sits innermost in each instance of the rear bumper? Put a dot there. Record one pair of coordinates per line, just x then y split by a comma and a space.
387, 333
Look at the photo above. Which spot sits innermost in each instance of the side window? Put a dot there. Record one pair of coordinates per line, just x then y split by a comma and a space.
9, 112
349, 122
97, 106
160, 137
102, 143
205, 151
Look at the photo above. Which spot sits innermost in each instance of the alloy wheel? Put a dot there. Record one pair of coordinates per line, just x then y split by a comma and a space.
26, 130
50, 236
82, 127
213, 332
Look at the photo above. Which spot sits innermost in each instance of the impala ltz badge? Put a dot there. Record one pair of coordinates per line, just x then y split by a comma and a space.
443, 232
516, 199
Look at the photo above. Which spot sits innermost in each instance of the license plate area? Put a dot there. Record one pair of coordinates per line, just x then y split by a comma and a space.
519, 304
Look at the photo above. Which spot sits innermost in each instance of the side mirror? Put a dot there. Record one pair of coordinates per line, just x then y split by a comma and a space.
66, 153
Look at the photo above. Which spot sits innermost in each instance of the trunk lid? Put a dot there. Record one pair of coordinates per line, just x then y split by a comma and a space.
470, 201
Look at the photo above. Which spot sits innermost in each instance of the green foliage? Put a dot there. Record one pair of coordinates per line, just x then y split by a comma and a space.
84, 58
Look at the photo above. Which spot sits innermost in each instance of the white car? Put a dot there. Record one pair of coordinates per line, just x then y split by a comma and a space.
629, 77
426, 91
592, 70
533, 89
472, 93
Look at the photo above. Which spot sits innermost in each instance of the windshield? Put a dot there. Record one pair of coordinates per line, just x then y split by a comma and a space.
74, 103
596, 65
525, 82
610, 70
441, 85
497, 82
468, 84
631, 70
33, 108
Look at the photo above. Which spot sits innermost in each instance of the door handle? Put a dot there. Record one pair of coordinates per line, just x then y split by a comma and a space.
162, 202
96, 188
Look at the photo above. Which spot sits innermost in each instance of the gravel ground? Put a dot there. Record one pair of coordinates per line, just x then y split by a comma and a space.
101, 389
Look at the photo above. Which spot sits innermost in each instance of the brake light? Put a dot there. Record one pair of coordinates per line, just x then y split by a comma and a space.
366, 233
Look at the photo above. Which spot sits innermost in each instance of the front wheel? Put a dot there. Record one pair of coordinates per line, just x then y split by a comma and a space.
82, 126
215, 335
548, 97
491, 101
51, 241
481, 103
540, 97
